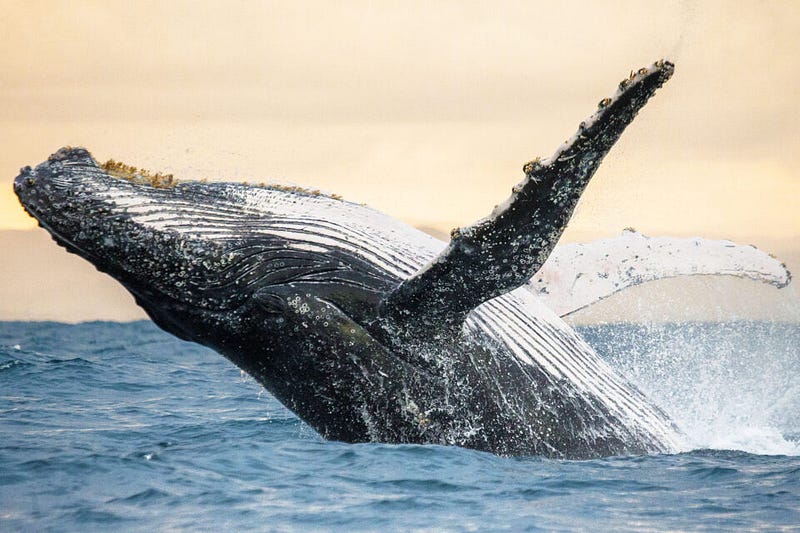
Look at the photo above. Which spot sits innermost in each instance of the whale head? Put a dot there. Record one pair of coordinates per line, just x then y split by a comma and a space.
199, 255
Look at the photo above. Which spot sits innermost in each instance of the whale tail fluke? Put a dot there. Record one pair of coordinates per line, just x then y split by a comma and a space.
578, 275
503, 251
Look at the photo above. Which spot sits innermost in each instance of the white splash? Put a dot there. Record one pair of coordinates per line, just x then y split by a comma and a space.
728, 386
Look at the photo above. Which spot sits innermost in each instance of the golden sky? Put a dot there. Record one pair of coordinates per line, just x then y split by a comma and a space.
425, 110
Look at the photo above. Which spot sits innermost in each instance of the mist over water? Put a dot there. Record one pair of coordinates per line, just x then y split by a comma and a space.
728, 386
109, 425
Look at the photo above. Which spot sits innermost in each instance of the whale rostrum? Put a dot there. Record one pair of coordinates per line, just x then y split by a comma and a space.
363, 326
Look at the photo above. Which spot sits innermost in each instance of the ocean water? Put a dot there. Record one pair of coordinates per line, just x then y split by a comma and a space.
121, 426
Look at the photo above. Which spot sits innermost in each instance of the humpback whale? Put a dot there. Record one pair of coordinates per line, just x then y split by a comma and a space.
368, 329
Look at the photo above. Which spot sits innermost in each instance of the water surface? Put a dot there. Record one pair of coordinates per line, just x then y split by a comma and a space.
109, 425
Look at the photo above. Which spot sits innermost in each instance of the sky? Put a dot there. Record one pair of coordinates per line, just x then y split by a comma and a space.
424, 110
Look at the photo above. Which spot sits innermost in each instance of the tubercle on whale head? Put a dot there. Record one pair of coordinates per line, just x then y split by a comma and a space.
53, 189
70, 153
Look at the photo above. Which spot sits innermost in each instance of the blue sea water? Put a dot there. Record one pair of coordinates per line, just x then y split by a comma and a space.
121, 426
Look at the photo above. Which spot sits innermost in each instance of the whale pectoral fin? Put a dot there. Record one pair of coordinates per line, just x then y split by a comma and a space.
578, 275
504, 250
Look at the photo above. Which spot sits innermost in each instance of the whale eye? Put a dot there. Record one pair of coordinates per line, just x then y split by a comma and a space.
270, 302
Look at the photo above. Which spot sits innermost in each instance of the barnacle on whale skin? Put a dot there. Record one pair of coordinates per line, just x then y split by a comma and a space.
140, 176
